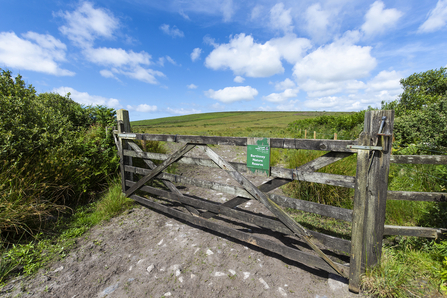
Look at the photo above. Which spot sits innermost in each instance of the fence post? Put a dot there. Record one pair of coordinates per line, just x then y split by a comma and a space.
315, 134
377, 184
335, 136
305, 133
358, 214
122, 117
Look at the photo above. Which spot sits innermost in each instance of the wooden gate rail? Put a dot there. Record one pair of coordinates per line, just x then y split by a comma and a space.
285, 143
302, 173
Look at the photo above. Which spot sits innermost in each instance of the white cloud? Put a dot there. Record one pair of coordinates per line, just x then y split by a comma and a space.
337, 61
317, 21
191, 86
182, 111
378, 19
173, 32
245, 57
116, 57
196, 54
226, 6
386, 80
239, 79
281, 97
107, 73
144, 108
86, 99
172, 61
436, 19
232, 94
286, 84
290, 47
140, 73
256, 12
42, 55
280, 18
86, 23
184, 15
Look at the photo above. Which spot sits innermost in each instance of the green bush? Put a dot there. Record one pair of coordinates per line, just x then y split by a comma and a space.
55, 154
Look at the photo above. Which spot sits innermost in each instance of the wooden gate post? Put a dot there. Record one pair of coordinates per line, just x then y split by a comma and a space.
358, 214
122, 117
377, 183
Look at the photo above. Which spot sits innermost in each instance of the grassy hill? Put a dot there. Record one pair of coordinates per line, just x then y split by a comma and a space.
267, 124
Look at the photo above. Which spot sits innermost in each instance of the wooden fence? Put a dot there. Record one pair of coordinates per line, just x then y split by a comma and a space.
370, 186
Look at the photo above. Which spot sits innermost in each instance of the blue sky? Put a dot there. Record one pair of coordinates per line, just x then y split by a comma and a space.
173, 57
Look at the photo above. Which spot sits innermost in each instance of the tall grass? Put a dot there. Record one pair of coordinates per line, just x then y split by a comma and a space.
316, 192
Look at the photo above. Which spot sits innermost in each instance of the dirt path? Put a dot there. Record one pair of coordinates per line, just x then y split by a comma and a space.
147, 254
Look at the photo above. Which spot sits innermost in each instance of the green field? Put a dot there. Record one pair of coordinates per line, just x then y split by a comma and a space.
250, 124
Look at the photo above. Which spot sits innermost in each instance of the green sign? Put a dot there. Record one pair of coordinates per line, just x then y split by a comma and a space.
258, 155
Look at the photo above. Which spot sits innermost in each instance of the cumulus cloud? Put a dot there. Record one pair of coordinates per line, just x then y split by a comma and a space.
386, 80
173, 32
172, 61
378, 19
86, 99
232, 94
286, 84
87, 23
246, 57
144, 108
182, 111
317, 21
191, 86
146, 75
330, 65
36, 52
196, 54
281, 97
107, 73
436, 19
280, 18
116, 57
239, 79
290, 47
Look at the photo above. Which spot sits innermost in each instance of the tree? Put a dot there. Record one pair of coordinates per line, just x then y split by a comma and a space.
421, 109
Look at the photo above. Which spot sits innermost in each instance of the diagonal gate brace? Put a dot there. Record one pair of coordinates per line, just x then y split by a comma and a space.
295, 227
174, 157
168, 184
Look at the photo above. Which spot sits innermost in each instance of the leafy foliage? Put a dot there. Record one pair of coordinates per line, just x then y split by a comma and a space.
55, 154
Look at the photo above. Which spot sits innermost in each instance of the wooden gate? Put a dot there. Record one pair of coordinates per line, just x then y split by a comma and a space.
367, 217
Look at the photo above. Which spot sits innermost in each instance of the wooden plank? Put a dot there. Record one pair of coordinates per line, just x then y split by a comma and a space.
414, 231
325, 160
419, 159
377, 184
174, 157
293, 174
244, 196
325, 145
272, 206
417, 196
265, 187
246, 216
325, 210
122, 117
358, 215
168, 184
286, 143
285, 251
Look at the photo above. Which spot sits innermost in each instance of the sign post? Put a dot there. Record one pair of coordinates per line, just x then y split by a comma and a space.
258, 156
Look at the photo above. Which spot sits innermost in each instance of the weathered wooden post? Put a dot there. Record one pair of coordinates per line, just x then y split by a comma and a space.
368, 218
315, 134
122, 117
378, 171
335, 136
358, 214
